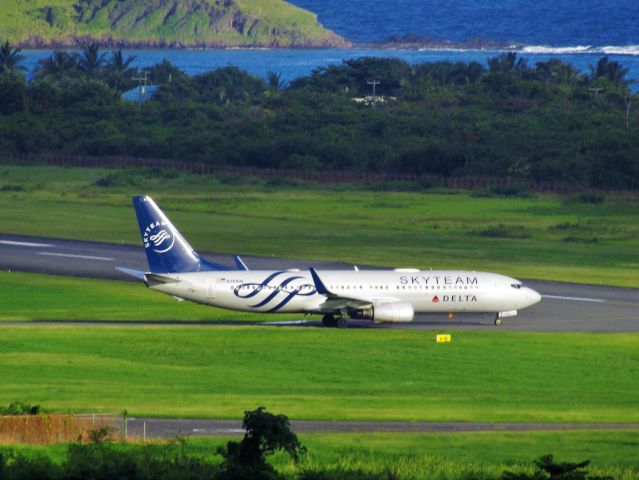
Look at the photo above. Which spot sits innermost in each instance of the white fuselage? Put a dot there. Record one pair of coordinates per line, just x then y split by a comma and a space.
294, 291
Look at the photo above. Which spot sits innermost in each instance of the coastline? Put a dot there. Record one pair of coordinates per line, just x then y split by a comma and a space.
338, 44
37, 43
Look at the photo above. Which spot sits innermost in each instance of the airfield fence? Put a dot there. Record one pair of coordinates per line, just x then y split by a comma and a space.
56, 427
468, 182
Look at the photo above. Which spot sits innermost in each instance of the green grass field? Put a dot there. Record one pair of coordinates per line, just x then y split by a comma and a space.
549, 237
436, 456
305, 372
476, 455
309, 373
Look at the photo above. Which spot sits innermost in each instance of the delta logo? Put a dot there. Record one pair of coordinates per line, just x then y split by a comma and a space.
455, 298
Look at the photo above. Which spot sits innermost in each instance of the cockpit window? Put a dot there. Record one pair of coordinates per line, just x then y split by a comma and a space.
516, 285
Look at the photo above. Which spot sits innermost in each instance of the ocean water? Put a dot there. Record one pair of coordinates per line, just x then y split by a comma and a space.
579, 32
548, 23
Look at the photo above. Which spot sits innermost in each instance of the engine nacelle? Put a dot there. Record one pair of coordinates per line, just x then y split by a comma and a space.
387, 312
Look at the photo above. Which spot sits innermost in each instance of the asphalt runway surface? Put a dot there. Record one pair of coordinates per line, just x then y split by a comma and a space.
171, 427
565, 307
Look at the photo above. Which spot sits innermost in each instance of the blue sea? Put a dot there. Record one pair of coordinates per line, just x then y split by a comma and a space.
551, 23
579, 32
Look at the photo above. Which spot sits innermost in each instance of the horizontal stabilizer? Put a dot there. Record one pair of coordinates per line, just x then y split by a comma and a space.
152, 279
139, 274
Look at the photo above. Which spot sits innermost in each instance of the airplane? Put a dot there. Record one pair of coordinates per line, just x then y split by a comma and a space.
337, 295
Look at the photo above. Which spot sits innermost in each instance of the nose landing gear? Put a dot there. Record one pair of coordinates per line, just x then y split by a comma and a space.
500, 315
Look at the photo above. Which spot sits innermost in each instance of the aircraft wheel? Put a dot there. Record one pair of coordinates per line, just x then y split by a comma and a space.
497, 321
328, 321
342, 322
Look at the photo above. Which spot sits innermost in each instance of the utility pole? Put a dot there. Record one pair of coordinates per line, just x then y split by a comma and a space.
627, 101
141, 90
596, 90
374, 83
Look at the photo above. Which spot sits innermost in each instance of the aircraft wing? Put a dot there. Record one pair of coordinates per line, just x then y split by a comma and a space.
336, 302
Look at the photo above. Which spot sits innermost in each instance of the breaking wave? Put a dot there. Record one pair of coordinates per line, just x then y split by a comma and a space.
493, 46
585, 49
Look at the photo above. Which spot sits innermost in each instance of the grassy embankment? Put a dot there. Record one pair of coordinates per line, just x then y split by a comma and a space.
269, 22
549, 237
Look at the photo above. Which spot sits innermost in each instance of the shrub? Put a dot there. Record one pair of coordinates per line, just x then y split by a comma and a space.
586, 197
19, 408
12, 188
265, 434
508, 191
503, 231
548, 469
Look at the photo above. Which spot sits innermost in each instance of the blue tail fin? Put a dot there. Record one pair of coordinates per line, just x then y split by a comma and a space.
166, 250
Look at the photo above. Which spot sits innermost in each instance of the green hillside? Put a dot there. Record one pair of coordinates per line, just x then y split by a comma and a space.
158, 23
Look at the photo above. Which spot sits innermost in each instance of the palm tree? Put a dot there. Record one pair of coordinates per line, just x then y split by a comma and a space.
10, 58
118, 63
556, 71
274, 81
507, 62
118, 72
91, 61
59, 65
612, 71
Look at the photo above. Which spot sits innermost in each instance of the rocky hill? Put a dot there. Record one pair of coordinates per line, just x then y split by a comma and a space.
162, 23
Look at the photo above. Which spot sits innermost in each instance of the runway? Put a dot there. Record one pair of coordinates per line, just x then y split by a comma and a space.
171, 427
565, 307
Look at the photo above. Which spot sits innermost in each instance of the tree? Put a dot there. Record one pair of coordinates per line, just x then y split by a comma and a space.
13, 90
548, 469
118, 72
611, 71
91, 60
275, 82
10, 58
556, 71
59, 65
506, 62
120, 64
265, 434
226, 85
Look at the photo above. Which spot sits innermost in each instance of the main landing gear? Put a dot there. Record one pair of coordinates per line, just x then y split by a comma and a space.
331, 321
497, 320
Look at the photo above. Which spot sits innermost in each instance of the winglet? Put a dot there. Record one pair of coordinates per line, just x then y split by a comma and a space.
319, 285
240, 264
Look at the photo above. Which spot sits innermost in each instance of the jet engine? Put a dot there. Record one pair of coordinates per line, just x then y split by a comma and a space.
387, 312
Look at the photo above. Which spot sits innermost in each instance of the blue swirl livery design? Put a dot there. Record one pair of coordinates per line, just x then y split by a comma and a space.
176, 269
158, 238
276, 295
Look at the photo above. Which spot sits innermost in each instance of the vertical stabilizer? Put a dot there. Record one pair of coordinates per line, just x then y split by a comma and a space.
166, 250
